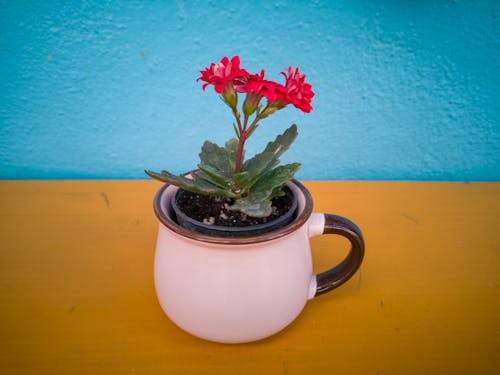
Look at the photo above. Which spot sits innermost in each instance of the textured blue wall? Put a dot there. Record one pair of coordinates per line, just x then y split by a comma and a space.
105, 89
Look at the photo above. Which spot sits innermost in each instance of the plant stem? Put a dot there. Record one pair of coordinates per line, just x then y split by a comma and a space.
241, 145
244, 133
253, 125
239, 153
245, 122
237, 117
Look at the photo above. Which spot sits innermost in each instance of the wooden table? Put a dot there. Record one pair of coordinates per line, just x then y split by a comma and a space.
77, 294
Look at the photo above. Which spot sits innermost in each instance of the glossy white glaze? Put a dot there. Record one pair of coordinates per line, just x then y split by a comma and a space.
234, 293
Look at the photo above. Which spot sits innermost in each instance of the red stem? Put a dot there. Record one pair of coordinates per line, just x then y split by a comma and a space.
239, 153
244, 132
241, 144
236, 115
253, 125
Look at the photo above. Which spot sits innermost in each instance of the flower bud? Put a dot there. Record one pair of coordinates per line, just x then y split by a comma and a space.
229, 95
272, 107
251, 103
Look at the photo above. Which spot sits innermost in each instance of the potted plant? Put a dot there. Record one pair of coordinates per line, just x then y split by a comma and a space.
232, 260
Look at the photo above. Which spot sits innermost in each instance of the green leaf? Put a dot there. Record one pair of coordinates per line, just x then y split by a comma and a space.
254, 205
241, 179
213, 175
196, 184
231, 148
206, 187
258, 202
275, 178
262, 163
217, 157
278, 192
282, 142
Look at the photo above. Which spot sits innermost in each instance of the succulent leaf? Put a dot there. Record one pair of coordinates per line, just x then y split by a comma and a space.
255, 205
215, 176
276, 178
258, 202
231, 148
262, 163
196, 184
217, 157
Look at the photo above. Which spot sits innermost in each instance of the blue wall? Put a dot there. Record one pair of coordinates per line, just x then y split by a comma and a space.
105, 89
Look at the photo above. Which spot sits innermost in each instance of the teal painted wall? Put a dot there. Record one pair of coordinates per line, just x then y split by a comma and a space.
405, 90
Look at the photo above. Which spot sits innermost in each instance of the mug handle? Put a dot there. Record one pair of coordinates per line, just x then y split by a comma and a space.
338, 275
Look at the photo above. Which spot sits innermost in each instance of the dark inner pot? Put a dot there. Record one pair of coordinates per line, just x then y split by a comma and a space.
211, 215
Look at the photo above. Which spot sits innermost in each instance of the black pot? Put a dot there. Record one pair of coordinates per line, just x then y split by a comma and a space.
222, 231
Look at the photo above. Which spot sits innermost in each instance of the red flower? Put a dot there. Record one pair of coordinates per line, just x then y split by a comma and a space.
255, 83
222, 73
297, 92
228, 79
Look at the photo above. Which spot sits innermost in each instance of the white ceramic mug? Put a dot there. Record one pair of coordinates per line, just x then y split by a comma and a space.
235, 290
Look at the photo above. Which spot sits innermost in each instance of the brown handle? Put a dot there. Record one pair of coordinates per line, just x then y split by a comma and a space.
342, 272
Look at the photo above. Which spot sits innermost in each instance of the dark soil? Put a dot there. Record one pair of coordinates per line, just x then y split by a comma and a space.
214, 210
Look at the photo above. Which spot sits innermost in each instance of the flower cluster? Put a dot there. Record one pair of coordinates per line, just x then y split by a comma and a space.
228, 79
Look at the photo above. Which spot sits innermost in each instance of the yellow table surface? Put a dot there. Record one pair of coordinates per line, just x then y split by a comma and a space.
77, 293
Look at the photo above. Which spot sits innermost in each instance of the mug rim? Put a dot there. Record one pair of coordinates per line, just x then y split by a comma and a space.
302, 217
